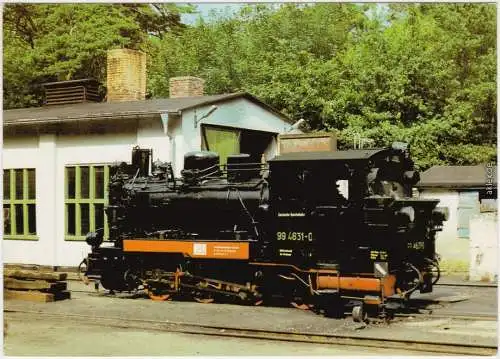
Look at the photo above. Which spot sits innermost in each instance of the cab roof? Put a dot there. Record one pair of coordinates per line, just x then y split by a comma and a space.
346, 156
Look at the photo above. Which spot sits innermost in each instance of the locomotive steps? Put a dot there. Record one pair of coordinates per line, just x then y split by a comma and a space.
34, 285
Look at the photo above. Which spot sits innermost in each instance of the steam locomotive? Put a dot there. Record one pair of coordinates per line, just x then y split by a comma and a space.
323, 230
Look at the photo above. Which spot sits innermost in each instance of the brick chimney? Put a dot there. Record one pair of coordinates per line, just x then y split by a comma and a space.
126, 75
186, 86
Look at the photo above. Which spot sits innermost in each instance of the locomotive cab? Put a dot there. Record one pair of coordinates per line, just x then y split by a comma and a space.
353, 211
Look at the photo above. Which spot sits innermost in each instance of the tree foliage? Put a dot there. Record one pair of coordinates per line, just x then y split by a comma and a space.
46, 42
425, 74
422, 73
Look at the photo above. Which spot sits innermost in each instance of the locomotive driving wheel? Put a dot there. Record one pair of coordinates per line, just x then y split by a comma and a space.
434, 270
359, 314
300, 303
157, 297
82, 268
258, 301
157, 292
203, 297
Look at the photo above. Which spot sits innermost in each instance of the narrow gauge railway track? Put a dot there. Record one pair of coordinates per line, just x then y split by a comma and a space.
259, 334
430, 314
472, 285
449, 315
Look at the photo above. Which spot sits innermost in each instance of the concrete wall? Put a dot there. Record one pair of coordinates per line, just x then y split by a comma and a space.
484, 247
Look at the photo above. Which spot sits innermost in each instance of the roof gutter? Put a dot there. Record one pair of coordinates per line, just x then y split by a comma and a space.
97, 117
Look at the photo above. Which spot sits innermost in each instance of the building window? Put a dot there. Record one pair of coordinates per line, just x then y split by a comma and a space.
86, 196
19, 203
468, 206
224, 141
230, 141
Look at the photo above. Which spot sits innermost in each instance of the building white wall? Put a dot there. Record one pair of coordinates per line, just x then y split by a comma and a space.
484, 247
239, 113
454, 251
49, 154
77, 150
150, 134
39, 153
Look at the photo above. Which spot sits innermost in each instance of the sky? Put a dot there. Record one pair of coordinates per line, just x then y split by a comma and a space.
205, 8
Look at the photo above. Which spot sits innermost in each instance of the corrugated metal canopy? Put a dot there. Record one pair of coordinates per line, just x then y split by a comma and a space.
103, 110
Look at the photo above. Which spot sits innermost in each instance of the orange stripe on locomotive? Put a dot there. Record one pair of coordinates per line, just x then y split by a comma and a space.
386, 284
195, 249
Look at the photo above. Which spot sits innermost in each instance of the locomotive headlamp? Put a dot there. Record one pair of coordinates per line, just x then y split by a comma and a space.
411, 177
94, 239
440, 214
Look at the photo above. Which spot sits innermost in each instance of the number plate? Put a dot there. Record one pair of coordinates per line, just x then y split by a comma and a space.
294, 236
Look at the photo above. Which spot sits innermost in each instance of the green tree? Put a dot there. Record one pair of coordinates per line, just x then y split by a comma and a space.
428, 77
425, 73
62, 42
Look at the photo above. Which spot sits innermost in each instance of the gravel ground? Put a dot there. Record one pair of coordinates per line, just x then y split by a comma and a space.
52, 337
39, 338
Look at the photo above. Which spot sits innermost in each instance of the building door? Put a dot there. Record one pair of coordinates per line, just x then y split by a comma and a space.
468, 205
255, 144
224, 141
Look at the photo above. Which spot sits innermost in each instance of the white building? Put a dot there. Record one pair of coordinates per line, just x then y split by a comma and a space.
468, 243
56, 157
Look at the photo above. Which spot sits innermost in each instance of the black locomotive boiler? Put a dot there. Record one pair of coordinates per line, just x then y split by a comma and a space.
327, 230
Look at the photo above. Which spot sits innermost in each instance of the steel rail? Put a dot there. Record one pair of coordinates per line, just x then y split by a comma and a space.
472, 285
450, 315
430, 315
260, 334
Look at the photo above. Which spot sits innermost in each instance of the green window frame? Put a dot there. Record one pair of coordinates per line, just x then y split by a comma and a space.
19, 203
85, 198
223, 140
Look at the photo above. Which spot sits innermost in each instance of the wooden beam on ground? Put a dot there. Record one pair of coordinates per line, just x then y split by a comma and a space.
27, 274
65, 294
28, 267
32, 296
11, 283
